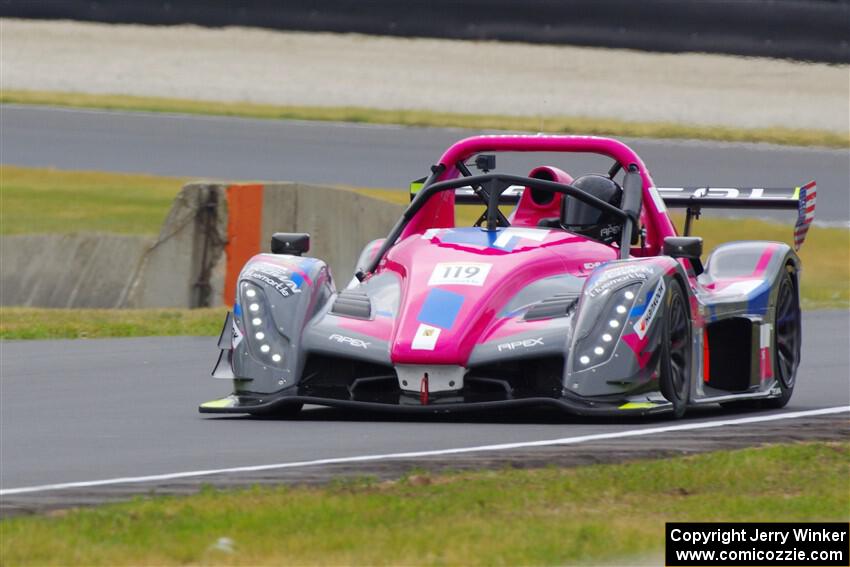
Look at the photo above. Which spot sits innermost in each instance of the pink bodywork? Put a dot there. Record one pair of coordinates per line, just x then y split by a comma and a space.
560, 252
528, 212
536, 253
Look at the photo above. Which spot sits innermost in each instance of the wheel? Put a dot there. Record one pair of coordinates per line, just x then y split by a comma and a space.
787, 340
675, 365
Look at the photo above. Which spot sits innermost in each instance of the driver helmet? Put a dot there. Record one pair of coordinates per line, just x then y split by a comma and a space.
586, 220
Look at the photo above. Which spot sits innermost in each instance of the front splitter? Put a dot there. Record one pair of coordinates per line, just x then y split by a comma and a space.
260, 405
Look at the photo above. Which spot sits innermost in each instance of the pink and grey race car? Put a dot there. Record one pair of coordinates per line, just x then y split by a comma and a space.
583, 297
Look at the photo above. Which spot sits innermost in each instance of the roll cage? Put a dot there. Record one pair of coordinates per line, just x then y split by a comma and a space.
489, 187
641, 206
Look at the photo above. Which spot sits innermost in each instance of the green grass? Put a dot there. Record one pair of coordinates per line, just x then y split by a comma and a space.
548, 516
34, 200
35, 323
554, 124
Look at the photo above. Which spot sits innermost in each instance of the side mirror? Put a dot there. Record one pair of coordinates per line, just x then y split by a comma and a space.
294, 243
689, 247
631, 205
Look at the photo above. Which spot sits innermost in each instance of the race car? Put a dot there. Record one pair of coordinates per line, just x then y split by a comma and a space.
582, 297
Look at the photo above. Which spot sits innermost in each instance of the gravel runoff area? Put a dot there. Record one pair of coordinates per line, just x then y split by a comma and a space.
322, 69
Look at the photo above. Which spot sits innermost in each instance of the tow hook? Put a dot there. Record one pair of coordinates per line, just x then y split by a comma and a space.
423, 390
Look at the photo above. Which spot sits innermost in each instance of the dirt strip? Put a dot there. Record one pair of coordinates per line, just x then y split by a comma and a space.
823, 428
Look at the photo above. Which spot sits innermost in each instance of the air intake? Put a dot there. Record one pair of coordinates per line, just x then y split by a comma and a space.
555, 306
352, 303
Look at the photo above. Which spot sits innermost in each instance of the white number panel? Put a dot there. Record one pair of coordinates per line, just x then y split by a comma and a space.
459, 273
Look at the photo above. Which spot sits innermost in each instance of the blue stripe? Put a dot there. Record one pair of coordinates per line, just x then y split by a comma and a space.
478, 237
440, 308
474, 236
638, 310
758, 298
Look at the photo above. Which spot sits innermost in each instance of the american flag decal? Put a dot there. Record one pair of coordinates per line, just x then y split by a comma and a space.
805, 212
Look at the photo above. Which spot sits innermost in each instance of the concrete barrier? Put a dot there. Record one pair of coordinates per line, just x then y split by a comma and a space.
184, 267
211, 230
69, 270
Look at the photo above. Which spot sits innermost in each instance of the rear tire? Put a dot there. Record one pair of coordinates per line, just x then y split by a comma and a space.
675, 364
787, 340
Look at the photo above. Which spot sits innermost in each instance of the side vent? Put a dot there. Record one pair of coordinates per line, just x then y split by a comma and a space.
556, 306
352, 303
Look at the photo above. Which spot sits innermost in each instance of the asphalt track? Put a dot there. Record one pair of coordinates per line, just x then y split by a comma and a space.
89, 410
373, 155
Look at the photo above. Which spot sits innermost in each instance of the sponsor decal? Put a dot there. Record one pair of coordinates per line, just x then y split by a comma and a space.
723, 192
459, 273
754, 193
284, 281
591, 265
358, 343
425, 338
616, 276
236, 335
610, 230
714, 192
440, 308
527, 343
643, 323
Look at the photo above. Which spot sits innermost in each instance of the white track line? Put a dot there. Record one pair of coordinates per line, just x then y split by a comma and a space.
434, 453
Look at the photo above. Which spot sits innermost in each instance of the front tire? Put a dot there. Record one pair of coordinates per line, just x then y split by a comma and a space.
675, 364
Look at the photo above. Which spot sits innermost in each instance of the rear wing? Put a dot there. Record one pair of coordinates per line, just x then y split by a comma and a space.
694, 199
